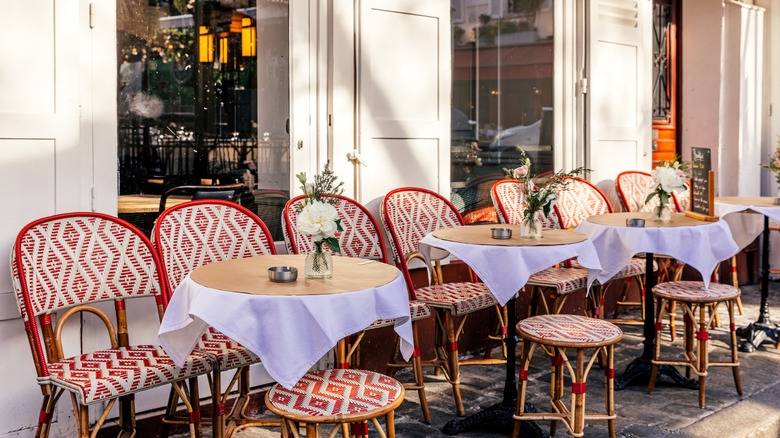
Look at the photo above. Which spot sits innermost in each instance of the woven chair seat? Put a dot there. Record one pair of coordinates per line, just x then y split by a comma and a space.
227, 352
342, 393
564, 280
693, 291
104, 374
569, 331
460, 298
417, 309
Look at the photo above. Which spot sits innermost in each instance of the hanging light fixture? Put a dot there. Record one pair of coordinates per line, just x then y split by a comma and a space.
224, 42
206, 42
248, 37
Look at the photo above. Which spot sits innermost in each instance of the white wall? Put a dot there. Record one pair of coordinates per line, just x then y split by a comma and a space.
700, 85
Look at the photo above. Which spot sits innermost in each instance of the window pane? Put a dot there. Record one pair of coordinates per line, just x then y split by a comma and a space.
190, 77
502, 96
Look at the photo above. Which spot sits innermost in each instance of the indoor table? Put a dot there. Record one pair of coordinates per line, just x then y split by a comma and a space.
290, 326
127, 204
505, 265
699, 244
747, 227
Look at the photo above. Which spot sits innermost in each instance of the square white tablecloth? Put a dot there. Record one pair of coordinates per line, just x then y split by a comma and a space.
288, 333
506, 269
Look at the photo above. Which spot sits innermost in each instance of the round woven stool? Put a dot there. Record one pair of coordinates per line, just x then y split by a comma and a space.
338, 397
556, 334
692, 296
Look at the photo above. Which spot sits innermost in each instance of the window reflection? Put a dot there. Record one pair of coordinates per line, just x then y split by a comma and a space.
190, 73
502, 95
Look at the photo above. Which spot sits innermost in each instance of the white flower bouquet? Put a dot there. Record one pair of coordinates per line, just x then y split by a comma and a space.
317, 216
668, 177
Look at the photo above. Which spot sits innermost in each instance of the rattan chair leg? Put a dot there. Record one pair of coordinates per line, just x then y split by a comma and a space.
688, 336
83, 421
311, 430
454, 372
672, 311
418, 375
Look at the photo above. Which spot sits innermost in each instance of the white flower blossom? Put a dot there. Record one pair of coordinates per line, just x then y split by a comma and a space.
669, 179
318, 220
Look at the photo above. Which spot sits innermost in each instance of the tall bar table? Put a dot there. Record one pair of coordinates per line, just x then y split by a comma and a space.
763, 329
702, 245
505, 266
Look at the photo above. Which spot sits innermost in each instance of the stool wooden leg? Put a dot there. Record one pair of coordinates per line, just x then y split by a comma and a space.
701, 336
579, 396
734, 358
390, 424
610, 388
522, 380
672, 311
311, 430
556, 383
688, 335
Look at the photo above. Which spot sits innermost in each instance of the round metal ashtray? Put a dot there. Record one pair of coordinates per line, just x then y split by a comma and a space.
635, 222
282, 274
501, 233
777, 201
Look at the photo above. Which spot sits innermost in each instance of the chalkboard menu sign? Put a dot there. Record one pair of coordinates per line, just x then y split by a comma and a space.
702, 195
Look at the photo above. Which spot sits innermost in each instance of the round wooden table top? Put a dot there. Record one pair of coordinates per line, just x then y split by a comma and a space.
481, 235
619, 220
758, 201
250, 275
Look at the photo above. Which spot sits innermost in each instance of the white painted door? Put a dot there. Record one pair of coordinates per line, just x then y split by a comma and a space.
619, 89
404, 82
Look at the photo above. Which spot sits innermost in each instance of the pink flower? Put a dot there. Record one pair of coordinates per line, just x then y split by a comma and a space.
520, 171
776, 163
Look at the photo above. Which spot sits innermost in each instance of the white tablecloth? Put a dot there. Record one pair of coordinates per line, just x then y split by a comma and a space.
288, 333
701, 246
505, 269
746, 227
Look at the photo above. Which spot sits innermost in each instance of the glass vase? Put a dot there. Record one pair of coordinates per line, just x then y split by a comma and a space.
662, 213
531, 226
319, 263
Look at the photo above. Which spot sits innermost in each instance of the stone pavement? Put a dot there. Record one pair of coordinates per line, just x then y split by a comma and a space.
668, 412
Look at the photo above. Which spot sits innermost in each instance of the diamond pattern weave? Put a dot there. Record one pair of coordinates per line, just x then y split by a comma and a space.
633, 188
570, 329
564, 280
194, 234
579, 201
104, 374
410, 214
694, 291
417, 309
336, 392
360, 237
460, 298
509, 203
78, 259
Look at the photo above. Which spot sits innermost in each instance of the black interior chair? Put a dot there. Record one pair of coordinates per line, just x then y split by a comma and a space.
229, 192
268, 206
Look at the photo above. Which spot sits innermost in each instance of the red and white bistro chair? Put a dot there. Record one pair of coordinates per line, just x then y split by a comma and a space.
197, 233
559, 282
408, 215
576, 203
70, 264
361, 238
